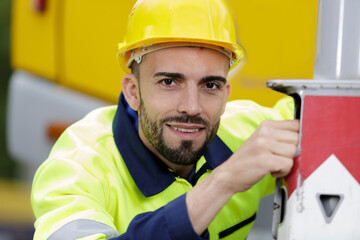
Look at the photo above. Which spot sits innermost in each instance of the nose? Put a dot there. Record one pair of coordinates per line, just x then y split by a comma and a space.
189, 101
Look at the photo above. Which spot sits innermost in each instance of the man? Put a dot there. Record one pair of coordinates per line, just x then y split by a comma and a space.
162, 165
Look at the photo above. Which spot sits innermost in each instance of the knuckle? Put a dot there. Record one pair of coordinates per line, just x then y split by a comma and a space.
282, 166
264, 130
261, 143
266, 122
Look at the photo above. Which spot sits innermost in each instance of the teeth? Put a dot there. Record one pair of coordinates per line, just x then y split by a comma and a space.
185, 130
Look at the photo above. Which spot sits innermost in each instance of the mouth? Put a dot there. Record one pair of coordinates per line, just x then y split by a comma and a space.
186, 131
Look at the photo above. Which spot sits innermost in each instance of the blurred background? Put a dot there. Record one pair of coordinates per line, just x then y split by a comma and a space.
7, 165
57, 62
15, 212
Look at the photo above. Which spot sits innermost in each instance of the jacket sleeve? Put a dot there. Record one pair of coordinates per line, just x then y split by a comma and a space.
69, 203
168, 222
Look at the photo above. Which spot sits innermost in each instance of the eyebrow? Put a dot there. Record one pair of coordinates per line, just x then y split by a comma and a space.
169, 74
182, 76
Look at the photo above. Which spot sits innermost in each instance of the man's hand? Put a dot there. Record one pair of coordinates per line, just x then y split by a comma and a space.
271, 149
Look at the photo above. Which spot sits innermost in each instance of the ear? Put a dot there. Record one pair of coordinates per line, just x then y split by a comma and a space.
228, 90
130, 90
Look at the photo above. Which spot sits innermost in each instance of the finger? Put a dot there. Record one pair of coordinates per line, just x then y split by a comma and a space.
283, 149
286, 136
281, 166
291, 125
279, 174
282, 131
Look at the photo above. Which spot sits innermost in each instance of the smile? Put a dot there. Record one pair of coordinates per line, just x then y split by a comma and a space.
185, 130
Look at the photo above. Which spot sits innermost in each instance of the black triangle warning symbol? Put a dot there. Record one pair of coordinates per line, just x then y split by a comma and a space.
329, 204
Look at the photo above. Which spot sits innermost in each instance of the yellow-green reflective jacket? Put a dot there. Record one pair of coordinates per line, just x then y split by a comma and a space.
100, 178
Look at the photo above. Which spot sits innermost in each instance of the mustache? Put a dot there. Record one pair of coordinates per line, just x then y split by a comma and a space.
185, 118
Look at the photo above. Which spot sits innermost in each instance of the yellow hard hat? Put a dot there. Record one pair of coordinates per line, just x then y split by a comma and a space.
158, 24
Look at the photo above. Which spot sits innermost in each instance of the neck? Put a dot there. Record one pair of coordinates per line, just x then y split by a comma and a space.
182, 171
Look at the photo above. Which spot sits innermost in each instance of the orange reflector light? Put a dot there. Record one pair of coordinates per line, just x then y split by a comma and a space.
55, 129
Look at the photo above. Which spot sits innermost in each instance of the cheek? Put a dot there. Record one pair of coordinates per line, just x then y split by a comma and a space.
157, 109
214, 108
216, 115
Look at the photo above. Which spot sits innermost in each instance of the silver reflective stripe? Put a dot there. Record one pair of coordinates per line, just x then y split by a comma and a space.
82, 228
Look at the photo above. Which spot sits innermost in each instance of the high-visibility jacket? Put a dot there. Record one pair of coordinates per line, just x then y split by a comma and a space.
101, 182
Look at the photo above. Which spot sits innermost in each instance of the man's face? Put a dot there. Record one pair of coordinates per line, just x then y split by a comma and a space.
182, 92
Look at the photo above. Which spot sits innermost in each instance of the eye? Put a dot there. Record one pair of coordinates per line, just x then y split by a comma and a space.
212, 86
168, 82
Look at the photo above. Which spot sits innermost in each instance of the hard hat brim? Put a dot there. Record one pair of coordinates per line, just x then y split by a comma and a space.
123, 54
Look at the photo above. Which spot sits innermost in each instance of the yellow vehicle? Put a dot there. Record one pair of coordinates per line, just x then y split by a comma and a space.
63, 54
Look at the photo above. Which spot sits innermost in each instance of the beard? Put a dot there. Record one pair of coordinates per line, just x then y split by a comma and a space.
185, 154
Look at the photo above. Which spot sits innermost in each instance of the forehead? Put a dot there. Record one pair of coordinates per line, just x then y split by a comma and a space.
187, 60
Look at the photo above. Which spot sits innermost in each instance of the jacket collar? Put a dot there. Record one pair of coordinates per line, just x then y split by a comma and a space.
151, 175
